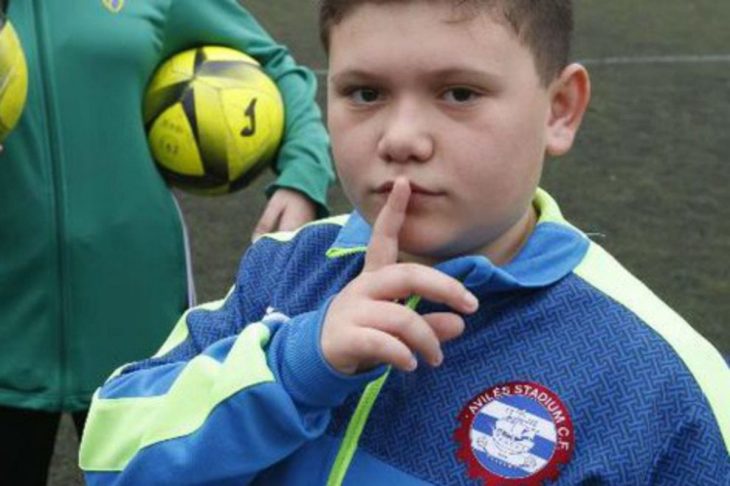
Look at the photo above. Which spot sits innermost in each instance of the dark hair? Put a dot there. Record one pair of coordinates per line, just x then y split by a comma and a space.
544, 26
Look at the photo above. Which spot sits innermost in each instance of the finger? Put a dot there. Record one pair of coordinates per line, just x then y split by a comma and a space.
290, 220
296, 213
406, 325
402, 280
383, 247
269, 219
375, 347
446, 325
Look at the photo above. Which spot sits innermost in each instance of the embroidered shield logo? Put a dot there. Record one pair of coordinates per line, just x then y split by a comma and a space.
114, 6
515, 434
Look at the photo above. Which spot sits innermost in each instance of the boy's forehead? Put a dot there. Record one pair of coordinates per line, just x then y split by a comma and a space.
439, 11
429, 35
447, 10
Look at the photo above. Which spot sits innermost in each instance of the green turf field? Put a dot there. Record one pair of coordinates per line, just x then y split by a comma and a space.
648, 177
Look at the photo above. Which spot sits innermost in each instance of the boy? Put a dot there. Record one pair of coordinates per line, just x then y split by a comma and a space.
548, 360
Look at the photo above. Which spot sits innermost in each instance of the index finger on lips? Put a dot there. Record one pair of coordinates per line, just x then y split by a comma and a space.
383, 247
405, 279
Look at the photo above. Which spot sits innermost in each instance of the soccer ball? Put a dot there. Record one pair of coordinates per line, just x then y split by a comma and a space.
13, 78
214, 119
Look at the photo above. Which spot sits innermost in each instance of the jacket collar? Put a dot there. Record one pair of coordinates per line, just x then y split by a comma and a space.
551, 252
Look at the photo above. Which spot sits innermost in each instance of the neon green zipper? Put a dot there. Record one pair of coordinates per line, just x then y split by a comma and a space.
358, 421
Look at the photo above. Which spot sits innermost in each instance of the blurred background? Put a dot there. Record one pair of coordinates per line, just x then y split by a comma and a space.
648, 177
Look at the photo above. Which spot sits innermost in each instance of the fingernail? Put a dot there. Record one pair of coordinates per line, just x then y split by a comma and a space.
439, 359
471, 301
413, 364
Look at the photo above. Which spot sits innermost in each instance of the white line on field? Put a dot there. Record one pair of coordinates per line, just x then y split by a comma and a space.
625, 60
677, 59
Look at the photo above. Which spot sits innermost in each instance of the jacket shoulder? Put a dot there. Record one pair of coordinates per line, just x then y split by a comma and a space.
704, 363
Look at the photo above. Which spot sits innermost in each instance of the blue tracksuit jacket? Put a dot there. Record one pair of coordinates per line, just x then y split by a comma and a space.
570, 370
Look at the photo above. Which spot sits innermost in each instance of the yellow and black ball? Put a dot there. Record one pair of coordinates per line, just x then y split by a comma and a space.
214, 119
13, 78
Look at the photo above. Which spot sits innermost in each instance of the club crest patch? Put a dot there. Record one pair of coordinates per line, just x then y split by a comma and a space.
114, 6
515, 434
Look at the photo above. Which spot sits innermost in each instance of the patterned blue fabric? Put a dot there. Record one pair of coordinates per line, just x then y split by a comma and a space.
310, 279
639, 415
634, 406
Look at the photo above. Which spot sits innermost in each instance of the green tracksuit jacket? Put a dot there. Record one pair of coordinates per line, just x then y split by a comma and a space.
92, 255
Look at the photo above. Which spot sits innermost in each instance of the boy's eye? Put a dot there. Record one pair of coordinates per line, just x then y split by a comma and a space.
364, 95
460, 95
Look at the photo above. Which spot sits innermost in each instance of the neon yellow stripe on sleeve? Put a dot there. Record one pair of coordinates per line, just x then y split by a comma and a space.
118, 428
180, 331
705, 363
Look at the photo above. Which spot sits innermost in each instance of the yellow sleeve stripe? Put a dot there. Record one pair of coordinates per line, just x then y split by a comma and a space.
179, 332
118, 428
705, 363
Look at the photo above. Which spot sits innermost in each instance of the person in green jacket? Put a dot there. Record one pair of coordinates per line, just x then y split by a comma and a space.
94, 272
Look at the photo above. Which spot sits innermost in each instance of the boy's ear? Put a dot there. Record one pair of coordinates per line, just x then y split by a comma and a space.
569, 96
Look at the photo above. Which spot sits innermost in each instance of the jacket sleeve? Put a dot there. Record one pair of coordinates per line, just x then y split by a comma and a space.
695, 452
225, 398
303, 162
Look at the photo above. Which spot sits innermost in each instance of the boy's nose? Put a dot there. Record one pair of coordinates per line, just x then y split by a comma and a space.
405, 137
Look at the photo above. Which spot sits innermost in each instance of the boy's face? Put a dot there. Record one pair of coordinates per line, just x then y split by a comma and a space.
453, 104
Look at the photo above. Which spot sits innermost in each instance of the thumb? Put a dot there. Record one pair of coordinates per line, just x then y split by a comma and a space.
268, 221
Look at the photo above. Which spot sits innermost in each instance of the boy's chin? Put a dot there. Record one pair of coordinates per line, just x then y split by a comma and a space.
425, 251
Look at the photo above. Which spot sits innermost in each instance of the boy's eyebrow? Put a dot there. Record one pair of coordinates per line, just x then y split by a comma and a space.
441, 73
466, 72
351, 74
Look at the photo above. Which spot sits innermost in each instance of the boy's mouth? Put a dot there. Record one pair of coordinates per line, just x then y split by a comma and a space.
416, 189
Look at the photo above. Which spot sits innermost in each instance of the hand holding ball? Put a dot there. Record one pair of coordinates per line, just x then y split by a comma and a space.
214, 119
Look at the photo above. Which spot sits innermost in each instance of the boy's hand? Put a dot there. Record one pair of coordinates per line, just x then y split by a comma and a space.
365, 326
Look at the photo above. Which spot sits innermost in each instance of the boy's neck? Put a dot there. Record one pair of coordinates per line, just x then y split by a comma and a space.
502, 251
